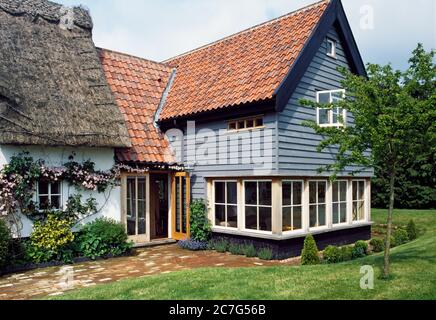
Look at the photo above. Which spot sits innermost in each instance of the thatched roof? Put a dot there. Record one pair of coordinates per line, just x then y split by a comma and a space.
52, 87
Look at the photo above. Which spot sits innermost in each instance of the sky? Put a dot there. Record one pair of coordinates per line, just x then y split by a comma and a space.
386, 31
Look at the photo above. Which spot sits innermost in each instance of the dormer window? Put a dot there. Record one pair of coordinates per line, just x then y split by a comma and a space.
331, 48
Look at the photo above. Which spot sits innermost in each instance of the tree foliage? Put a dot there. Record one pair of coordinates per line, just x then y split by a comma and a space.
394, 127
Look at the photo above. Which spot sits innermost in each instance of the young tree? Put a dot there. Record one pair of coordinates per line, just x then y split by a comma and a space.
394, 114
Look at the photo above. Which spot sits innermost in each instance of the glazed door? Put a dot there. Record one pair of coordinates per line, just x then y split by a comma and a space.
136, 207
181, 199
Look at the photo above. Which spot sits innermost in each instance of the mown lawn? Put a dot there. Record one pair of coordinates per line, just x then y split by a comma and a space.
413, 266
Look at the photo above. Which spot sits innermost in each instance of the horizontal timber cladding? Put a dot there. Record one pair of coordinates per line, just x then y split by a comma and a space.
297, 144
288, 248
230, 159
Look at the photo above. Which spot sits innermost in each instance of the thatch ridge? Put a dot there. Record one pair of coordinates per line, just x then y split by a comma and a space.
52, 87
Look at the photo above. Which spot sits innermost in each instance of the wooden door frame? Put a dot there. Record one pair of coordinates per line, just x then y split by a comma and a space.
180, 235
124, 176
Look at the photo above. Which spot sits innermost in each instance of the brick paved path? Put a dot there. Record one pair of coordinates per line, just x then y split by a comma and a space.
150, 261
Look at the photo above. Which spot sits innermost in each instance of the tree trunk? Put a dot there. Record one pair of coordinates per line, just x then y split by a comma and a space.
386, 270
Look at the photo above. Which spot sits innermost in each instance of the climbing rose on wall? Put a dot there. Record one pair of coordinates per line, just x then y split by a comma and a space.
7, 200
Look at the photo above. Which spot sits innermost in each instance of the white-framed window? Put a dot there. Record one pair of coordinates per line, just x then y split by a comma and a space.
340, 203
359, 200
258, 205
49, 195
330, 117
246, 124
292, 205
225, 204
317, 203
331, 48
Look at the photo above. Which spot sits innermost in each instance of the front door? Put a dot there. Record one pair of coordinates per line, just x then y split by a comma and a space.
181, 199
159, 206
137, 206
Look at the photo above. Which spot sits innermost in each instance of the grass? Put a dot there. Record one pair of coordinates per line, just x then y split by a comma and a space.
413, 268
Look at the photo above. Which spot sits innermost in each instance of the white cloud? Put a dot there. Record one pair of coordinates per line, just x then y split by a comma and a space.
161, 29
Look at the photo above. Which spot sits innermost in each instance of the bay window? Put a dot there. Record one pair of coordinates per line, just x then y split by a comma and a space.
358, 200
226, 204
339, 208
292, 205
258, 205
317, 203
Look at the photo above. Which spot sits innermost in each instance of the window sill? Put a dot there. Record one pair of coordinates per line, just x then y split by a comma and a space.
288, 235
245, 130
337, 125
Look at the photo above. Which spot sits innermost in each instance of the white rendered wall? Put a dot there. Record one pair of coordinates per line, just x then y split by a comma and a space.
109, 202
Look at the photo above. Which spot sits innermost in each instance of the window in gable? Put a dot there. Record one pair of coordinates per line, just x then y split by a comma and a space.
330, 117
331, 48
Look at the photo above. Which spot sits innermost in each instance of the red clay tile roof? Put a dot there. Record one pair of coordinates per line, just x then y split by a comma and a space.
138, 86
246, 67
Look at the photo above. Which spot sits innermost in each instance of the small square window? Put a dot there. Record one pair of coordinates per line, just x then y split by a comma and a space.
250, 124
241, 125
331, 48
49, 195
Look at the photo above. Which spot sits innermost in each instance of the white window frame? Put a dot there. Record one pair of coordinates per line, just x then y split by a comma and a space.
357, 201
244, 227
334, 46
340, 203
317, 204
293, 206
50, 195
225, 204
331, 111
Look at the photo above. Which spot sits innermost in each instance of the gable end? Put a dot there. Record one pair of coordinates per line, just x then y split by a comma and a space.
333, 17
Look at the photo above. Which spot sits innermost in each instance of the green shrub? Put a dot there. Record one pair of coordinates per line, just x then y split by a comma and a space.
347, 253
309, 255
378, 245
332, 254
401, 237
200, 226
49, 239
103, 238
221, 245
250, 251
412, 232
360, 249
236, 249
5, 243
265, 254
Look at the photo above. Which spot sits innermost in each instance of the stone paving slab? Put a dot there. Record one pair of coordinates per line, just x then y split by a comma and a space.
145, 262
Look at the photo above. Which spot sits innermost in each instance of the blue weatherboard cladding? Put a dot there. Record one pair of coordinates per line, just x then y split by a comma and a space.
231, 160
296, 143
292, 146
